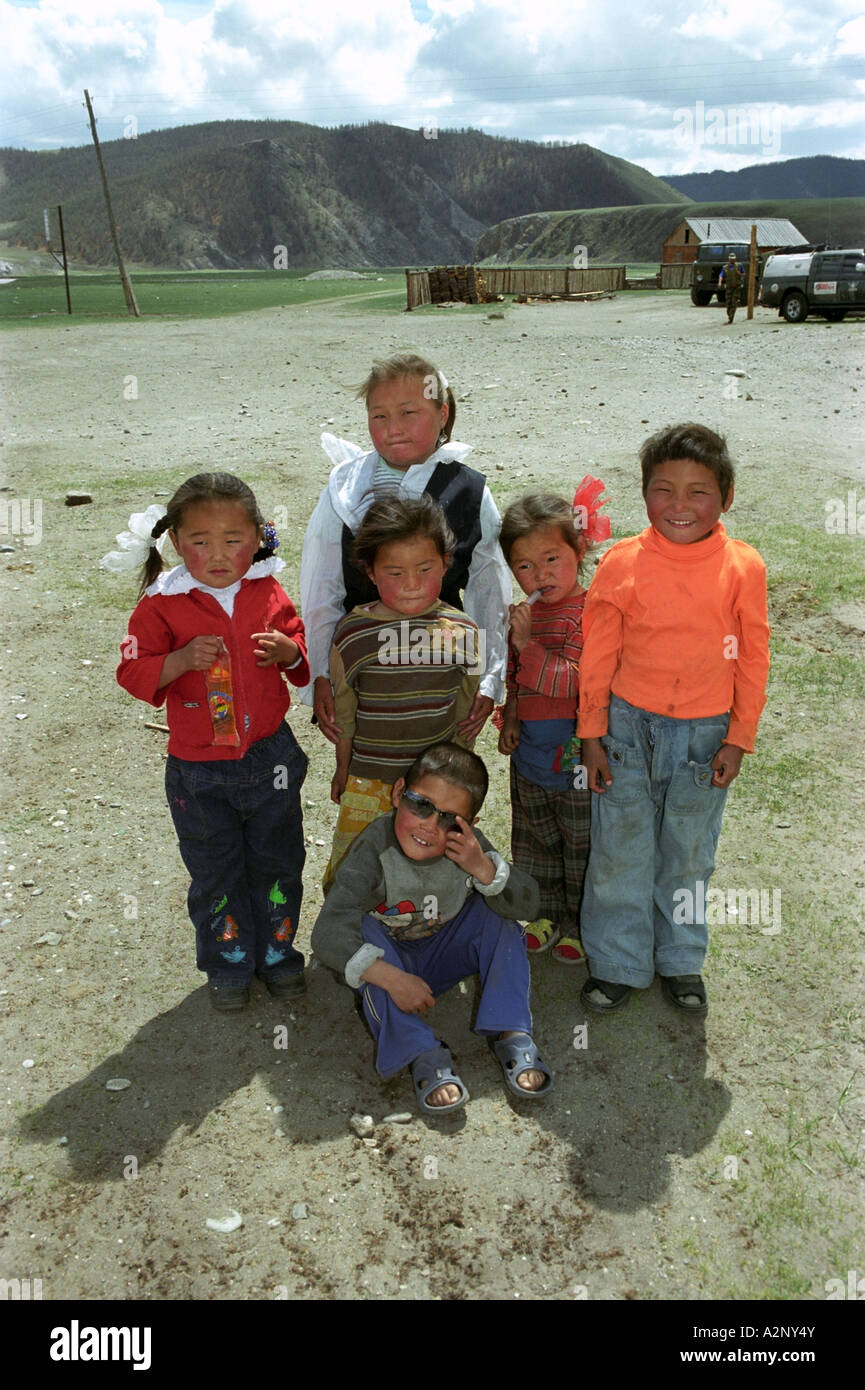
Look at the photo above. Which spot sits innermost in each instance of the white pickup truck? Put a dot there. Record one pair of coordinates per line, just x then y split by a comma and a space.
799, 283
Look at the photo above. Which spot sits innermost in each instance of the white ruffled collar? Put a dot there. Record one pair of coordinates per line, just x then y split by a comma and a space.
179, 581
350, 483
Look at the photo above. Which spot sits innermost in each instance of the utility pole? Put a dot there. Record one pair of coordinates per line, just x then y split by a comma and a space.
128, 291
752, 270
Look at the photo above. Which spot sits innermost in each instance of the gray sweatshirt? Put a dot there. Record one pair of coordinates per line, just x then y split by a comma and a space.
412, 899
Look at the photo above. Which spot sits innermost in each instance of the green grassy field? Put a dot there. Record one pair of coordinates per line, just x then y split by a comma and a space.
189, 294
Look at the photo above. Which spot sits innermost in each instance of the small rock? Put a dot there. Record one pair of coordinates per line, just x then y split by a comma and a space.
225, 1224
117, 1083
363, 1125
7, 550
783, 824
279, 1134
300, 1212
28, 883
63, 1139
68, 913
28, 1062
278, 1109
51, 938
275, 1221
402, 1117
77, 499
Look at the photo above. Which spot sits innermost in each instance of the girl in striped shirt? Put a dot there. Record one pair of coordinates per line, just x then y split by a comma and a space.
545, 540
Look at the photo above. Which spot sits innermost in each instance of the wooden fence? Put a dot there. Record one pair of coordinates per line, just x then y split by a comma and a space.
533, 280
675, 277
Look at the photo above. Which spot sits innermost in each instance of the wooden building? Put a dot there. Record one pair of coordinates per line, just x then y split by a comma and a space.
680, 247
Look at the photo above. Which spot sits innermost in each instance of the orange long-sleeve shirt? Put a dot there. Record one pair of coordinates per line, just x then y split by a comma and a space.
681, 630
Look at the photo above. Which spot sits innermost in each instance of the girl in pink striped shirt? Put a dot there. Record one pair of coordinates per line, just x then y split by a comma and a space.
545, 539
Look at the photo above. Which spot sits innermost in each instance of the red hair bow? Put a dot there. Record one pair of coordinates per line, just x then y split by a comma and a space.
586, 516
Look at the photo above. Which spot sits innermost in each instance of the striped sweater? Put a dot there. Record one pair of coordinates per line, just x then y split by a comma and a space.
401, 683
544, 676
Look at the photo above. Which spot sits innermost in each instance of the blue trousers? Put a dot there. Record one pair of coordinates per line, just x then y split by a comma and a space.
240, 830
475, 942
654, 836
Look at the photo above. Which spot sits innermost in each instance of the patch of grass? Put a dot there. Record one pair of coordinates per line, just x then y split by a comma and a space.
40, 299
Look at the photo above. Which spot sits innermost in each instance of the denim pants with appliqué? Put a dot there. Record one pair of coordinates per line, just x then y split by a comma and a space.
654, 836
240, 829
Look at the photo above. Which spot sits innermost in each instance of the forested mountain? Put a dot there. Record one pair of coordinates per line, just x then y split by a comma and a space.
820, 176
228, 193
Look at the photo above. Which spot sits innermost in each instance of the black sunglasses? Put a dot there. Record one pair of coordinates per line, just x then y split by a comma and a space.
423, 808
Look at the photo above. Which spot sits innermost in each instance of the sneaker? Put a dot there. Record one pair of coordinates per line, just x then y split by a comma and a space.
287, 986
228, 999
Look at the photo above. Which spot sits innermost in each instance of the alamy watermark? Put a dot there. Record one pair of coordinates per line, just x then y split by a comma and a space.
21, 516
412, 643
713, 907
758, 124
845, 518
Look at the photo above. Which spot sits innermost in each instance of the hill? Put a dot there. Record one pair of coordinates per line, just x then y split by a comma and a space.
621, 234
226, 194
819, 176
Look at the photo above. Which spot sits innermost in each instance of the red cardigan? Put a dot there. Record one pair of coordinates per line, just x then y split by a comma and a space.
164, 623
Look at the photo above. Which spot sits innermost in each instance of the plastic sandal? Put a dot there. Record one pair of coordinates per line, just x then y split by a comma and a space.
681, 988
517, 1054
569, 951
540, 935
602, 996
432, 1069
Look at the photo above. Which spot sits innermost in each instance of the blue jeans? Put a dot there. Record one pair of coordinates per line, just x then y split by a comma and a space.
475, 942
240, 830
654, 836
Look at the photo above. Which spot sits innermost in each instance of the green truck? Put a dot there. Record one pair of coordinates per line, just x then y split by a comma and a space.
712, 256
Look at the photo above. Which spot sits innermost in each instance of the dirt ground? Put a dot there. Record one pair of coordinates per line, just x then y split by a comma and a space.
675, 1159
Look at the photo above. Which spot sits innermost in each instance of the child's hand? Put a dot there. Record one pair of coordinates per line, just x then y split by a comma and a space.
324, 708
464, 848
410, 993
201, 652
521, 625
726, 763
337, 784
274, 647
509, 737
482, 708
598, 775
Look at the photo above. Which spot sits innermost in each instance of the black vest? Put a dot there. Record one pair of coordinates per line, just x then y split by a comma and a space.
458, 491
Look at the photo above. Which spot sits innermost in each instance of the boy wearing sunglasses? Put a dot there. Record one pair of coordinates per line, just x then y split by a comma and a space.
420, 902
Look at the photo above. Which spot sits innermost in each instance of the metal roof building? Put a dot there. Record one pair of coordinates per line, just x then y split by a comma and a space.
681, 245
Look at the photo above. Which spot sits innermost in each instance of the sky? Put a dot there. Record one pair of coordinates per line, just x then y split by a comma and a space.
677, 86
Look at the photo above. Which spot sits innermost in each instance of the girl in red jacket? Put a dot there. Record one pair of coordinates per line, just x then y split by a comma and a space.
211, 639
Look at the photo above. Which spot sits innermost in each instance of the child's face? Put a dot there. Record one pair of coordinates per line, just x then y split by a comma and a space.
423, 837
216, 541
408, 574
404, 424
544, 560
683, 500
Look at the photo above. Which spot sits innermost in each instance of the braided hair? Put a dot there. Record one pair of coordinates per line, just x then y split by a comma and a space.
204, 487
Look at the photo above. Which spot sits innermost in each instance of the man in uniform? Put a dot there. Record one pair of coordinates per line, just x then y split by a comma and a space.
731, 278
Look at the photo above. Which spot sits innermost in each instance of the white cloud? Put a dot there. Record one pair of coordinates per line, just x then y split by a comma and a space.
610, 75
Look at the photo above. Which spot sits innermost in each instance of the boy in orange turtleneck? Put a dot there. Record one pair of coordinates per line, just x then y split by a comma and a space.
672, 685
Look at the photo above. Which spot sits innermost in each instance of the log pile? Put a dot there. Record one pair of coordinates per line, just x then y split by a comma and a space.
456, 284
585, 297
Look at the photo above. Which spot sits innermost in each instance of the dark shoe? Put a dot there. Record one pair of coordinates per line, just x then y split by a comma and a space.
686, 992
287, 986
228, 999
602, 996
